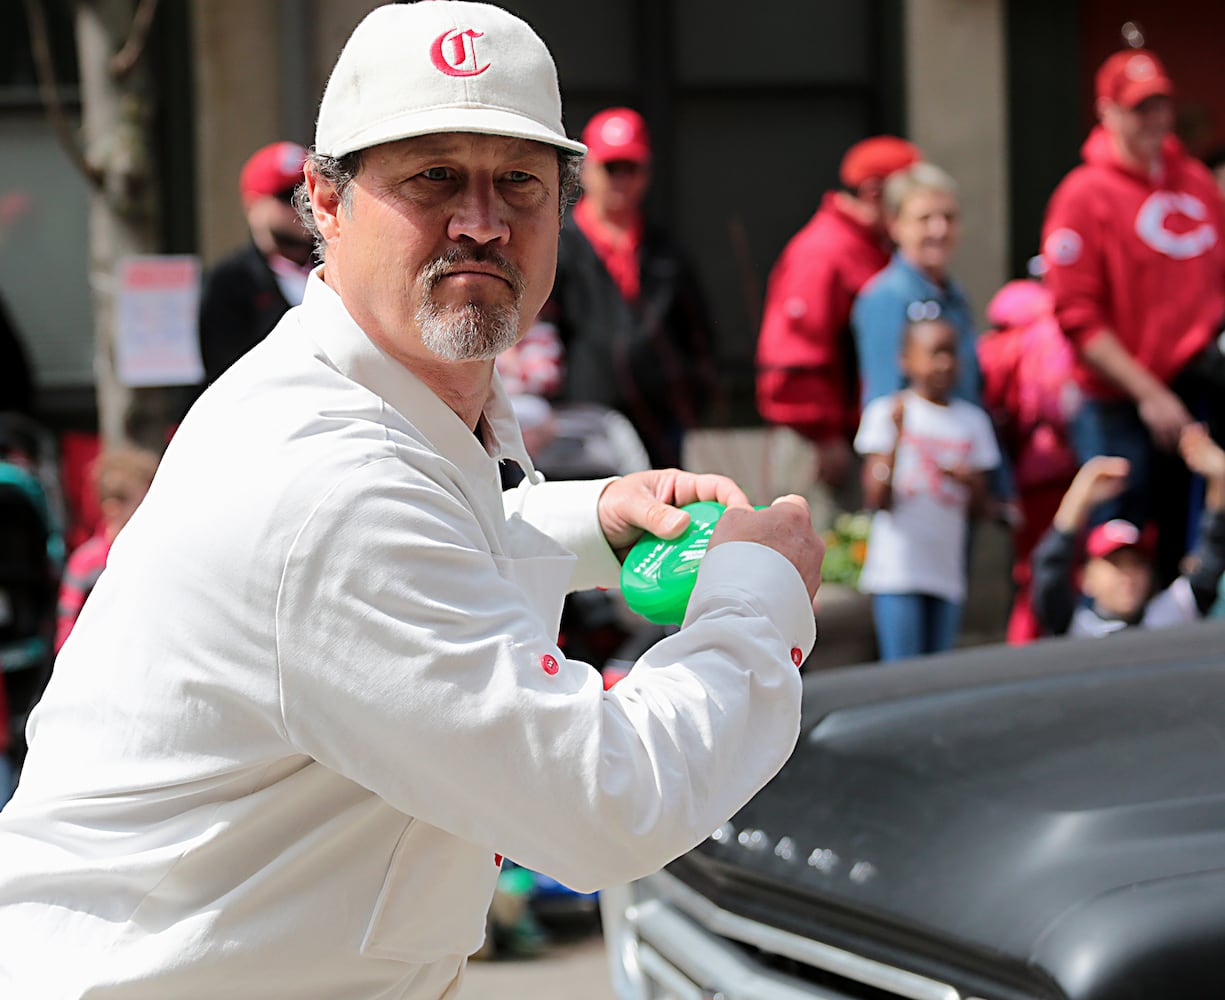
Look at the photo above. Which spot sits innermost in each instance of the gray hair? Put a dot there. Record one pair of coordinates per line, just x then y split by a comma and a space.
915, 178
342, 171
569, 176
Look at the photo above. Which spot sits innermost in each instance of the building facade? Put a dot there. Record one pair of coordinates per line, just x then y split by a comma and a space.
750, 108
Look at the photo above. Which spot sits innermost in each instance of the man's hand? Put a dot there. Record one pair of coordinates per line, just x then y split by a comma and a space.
1202, 455
834, 461
1101, 478
1205, 457
1165, 417
1162, 412
648, 501
786, 527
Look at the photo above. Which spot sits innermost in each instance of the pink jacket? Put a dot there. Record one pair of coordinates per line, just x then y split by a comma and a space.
1027, 366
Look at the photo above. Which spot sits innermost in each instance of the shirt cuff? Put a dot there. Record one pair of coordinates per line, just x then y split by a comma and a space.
767, 582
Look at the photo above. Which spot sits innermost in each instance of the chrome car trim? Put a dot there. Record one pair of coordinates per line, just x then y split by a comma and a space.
779, 942
683, 957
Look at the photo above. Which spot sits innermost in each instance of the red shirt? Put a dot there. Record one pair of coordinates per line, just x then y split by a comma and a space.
1142, 256
807, 377
616, 248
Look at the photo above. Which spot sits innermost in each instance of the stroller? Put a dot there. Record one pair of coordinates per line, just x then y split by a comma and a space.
31, 558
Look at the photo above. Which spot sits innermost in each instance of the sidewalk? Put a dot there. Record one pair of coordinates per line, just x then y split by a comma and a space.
573, 969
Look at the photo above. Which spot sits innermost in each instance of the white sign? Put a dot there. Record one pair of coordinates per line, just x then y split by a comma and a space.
155, 321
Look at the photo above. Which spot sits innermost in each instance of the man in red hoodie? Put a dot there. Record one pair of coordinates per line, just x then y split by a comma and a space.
1134, 239
807, 375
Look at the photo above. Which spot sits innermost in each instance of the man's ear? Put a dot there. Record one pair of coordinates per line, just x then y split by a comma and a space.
870, 191
326, 206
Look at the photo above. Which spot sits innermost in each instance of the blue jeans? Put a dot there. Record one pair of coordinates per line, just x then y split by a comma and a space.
914, 624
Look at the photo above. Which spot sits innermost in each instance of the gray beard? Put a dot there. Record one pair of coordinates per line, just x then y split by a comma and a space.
473, 332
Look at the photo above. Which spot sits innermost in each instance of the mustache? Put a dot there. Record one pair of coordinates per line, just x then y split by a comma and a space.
452, 259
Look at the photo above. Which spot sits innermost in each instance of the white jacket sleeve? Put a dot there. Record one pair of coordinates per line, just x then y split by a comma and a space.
421, 662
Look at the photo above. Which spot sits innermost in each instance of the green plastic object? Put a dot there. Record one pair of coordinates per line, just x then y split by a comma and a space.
658, 575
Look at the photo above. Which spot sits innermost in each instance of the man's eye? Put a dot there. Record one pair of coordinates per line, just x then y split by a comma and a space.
435, 173
518, 176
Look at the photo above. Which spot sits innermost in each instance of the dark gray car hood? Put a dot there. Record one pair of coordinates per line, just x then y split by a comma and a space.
1058, 811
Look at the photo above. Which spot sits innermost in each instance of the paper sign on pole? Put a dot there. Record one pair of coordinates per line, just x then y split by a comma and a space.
155, 316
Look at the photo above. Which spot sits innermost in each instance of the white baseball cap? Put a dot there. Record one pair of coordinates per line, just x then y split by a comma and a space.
440, 66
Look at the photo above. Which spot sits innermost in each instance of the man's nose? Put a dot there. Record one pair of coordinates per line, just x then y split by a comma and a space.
478, 216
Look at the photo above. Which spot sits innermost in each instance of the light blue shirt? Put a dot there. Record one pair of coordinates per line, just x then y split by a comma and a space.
879, 317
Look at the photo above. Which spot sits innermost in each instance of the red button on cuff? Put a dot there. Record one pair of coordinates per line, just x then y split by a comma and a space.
548, 664
797, 656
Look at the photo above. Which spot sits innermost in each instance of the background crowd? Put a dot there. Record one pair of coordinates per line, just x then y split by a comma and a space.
1108, 350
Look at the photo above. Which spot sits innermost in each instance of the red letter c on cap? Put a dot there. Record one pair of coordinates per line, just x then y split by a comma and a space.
463, 53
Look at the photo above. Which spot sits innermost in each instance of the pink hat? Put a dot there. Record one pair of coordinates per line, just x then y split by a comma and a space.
272, 170
1131, 76
1119, 534
617, 134
1019, 303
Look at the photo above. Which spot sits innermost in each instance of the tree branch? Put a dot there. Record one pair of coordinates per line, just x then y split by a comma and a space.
125, 59
45, 68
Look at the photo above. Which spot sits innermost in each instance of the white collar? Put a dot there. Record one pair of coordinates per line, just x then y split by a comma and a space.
356, 356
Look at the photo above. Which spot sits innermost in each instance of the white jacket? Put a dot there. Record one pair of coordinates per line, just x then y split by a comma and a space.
317, 692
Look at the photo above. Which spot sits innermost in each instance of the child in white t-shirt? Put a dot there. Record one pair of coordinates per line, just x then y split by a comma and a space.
927, 455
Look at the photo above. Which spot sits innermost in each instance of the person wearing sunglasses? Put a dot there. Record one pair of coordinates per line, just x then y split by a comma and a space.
627, 306
250, 290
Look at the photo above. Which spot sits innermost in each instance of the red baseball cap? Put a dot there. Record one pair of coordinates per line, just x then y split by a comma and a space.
1131, 76
272, 170
1119, 534
878, 156
617, 134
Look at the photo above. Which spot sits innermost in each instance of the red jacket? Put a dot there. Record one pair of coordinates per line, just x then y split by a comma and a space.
1143, 257
807, 375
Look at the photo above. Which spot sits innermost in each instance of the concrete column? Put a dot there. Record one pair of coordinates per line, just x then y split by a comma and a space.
957, 112
334, 22
956, 104
238, 109
260, 68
